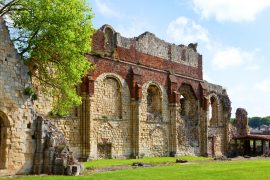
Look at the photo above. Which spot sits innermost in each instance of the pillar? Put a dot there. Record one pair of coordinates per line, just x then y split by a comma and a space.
135, 127
174, 112
86, 91
263, 146
85, 128
254, 146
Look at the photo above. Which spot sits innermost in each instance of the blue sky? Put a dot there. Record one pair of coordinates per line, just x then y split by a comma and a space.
233, 37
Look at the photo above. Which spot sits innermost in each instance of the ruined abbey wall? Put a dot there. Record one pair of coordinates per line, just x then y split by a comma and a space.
16, 147
146, 97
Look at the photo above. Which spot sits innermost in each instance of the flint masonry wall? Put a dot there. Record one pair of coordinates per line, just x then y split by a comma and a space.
110, 125
16, 146
218, 114
70, 127
146, 97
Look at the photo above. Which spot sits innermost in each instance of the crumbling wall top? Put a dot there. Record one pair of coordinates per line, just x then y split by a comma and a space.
148, 43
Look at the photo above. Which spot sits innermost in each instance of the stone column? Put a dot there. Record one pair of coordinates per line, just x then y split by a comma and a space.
135, 127
204, 125
86, 90
263, 146
254, 146
174, 114
226, 132
40, 145
85, 127
136, 96
174, 106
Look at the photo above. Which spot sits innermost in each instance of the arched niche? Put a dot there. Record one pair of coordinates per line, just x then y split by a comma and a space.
4, 125
109, 38
187, 101
190, 115
154, 103
111, 98
213, 111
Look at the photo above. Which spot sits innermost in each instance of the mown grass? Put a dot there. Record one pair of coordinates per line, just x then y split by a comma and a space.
203, 170
149, 160
246, 170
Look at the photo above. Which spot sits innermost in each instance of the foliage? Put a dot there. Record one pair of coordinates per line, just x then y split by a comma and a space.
52, 37
256, 122
243, 169
232, 120
29, 91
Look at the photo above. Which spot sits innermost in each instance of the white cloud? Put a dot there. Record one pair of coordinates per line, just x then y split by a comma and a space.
263, 86
185, 30
231, 10
253, 67
105, 10
231, 57
208, 78
134, 28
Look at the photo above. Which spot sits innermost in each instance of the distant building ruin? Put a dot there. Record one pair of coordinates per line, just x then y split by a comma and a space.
247, 143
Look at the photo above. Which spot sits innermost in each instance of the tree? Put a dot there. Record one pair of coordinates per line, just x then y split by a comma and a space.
52, 37
255, 122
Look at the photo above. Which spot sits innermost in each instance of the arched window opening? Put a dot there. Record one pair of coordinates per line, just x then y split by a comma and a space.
111, 101
153, 103
213, 111
183, 105
188, 102
3, 136
210, 113
189, 114
109, 39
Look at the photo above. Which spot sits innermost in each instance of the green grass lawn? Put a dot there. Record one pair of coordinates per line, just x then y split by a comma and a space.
149, 160
202, 170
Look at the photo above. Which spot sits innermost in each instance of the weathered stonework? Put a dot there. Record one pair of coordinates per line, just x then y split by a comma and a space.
218, 114
70, 127
18, 146
146, 97
110, 118
241, 123
52, 153
15, 110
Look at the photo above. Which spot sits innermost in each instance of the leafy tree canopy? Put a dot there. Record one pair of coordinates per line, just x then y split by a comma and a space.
52, 37
255, 122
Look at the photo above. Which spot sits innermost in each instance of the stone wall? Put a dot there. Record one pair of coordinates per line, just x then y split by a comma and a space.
15, 110
154, 125
148, 43
110, 125
218, 110
70, 127
189, 122
148, 50
168, 103
146, 97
